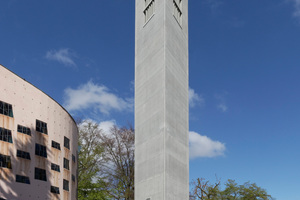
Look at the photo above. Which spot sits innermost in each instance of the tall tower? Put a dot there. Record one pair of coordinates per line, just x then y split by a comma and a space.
161, 100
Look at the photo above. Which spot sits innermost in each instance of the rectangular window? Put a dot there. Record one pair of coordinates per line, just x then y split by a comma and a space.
5, 135
73, 178
55, 145
41, 127
149, 9
67, 142
23, 154
40, 174
66, 185
66, 164
54, 190
23, 129
178, 10
55, 167
73, 158
5, 161
40, 150
6, 109
22, 179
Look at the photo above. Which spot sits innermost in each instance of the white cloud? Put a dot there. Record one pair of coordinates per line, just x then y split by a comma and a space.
203, 146
215, 6
83, 124
221, 98
103, 126
107, 125
195, 99
95, 96
132, 85
297, 8
63, 56
222, 107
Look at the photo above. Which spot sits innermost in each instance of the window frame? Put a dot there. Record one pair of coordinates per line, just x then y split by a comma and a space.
55, 167
41, 127
22, 179
23, 154
6, 135
40, 150
149, 10
73, 158
5, 161
54, 190
40, 174
66, 185
66, 142
6, 109
55, 145
23, 129
177, 13
66, 164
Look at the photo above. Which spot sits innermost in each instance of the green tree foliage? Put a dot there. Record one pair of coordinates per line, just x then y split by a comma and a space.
118, 167
106, 163
203, 190
90, 185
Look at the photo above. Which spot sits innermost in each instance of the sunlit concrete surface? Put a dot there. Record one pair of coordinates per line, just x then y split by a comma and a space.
30, 104
161, 100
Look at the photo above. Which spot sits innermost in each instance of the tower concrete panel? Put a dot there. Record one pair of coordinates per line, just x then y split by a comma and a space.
161, 100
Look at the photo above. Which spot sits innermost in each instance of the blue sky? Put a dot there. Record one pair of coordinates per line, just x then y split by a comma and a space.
244, 77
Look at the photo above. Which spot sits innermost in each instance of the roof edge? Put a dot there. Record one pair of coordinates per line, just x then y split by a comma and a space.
42, 92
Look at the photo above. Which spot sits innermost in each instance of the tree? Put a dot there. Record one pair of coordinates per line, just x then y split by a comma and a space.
90, 185
118, 167
106, 162
203, 190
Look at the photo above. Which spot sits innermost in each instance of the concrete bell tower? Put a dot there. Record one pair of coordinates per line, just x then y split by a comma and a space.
161, 100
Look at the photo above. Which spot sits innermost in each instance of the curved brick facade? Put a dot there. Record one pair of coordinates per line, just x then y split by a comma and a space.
38, 143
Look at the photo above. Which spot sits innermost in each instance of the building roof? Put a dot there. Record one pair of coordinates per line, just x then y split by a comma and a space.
41, 91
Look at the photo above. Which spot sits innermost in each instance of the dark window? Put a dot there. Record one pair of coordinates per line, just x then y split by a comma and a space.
40, 150
73, 158
5, 135
66, 185
41, 127
23, 154
55, 145
40, 174
54, 190
23, 129
6, 109
67, 142
5, 161
73, 178
55, 167
22, 179
66, 163
2, 198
